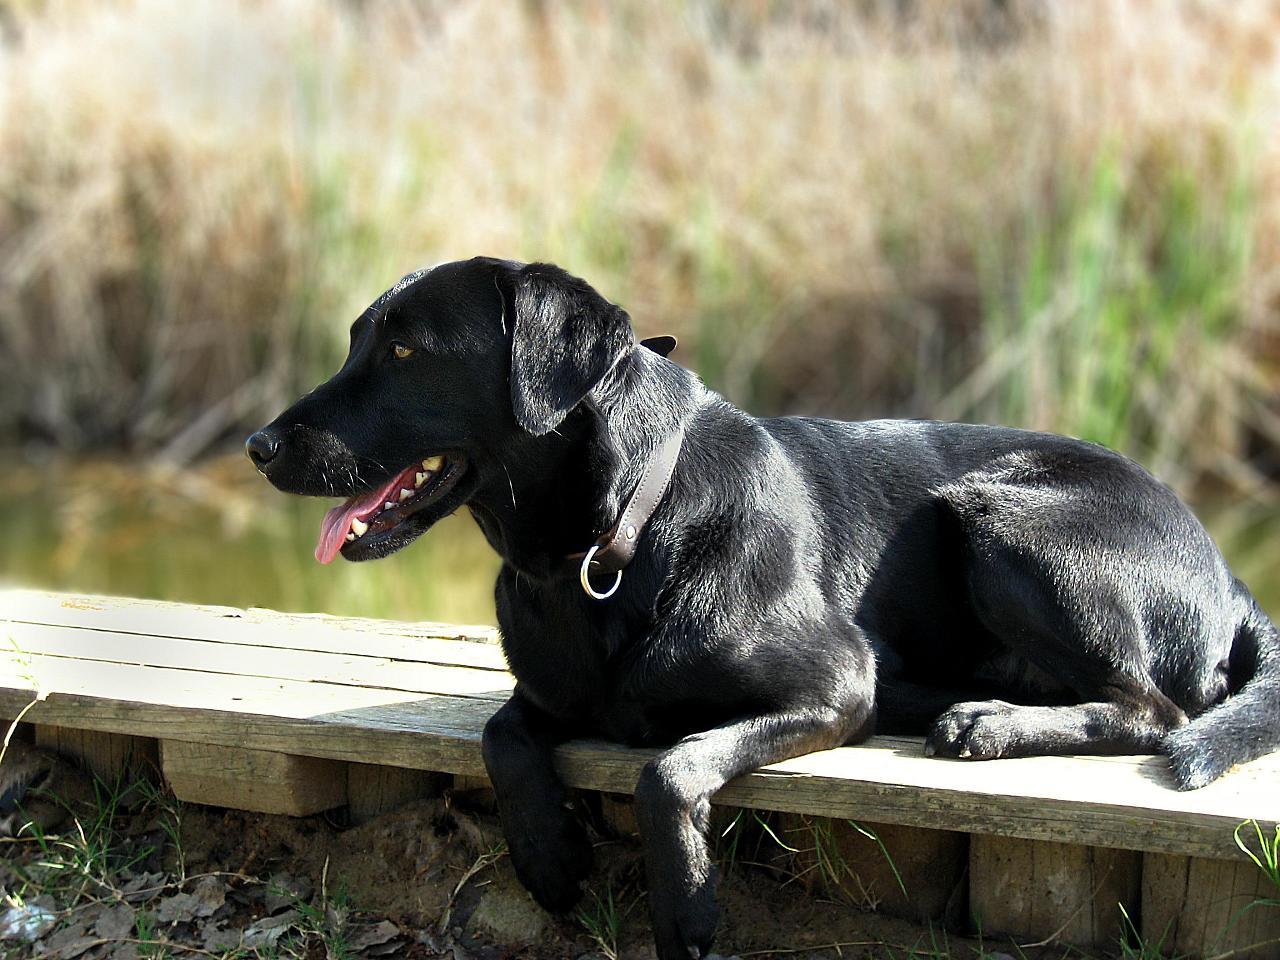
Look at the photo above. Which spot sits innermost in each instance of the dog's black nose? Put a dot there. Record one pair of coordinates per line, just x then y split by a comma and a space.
262, 447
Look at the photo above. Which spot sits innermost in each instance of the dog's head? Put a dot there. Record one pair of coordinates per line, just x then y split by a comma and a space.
446, 370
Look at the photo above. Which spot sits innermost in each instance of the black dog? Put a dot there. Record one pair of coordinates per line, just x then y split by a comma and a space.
800, 580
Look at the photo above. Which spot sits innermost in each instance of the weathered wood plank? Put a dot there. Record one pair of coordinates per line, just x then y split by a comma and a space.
1194, 908
260, 780
1123, 802
374, 789
1040, 891
901, 871
241, 659
111, 757
422, 642
1041, 798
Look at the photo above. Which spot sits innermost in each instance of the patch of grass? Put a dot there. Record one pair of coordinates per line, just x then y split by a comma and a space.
88, 856
870, 834
150, 944
821, 853
602, 918
1134, 947
725, 843
1266, 857
169, 811
324, 921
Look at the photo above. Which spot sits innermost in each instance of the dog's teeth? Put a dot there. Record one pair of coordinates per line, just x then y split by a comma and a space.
419, 479
405, 495
432, 464
350, 537
358, 527
388, 505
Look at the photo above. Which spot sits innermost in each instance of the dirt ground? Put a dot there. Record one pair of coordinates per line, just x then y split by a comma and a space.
132, 873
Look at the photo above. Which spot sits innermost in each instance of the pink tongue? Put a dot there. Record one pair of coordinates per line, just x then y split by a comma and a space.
337, 522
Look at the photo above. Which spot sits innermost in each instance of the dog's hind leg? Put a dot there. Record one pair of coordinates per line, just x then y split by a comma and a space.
1134, 719
673, 806
1097, 659
549, 847
1054, 598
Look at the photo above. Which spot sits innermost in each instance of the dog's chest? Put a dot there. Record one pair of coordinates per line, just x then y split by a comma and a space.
576, 667
605, 697
558, 651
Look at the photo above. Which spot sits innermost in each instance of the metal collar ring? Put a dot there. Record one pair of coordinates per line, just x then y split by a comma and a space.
584, 576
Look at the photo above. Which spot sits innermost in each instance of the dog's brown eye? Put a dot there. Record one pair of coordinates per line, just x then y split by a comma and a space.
400, 351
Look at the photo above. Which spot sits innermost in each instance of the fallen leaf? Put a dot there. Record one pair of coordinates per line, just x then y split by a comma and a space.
142, 887
284, 889
208, 895
361, 938
268, 930
119, 921
211, 892
218, 939
179, 908
69, 942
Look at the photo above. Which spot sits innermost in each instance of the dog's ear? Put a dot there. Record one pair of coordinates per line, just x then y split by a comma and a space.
566, 337
662, 345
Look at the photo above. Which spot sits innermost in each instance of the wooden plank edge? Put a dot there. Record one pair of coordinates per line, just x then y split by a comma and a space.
595, 765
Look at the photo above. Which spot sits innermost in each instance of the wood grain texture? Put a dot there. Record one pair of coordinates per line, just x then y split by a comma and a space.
1204, 908
258, 780
111, 757
303, 691
919, 874
424, 642
374, 790
1036, 891
249, 660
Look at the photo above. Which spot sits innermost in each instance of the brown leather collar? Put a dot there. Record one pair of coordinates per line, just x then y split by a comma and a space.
617, 546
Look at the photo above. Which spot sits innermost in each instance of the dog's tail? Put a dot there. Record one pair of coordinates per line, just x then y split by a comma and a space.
1247, 724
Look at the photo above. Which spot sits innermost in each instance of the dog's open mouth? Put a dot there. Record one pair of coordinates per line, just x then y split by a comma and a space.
368, 517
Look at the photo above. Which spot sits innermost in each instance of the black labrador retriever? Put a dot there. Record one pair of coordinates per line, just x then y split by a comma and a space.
778, 585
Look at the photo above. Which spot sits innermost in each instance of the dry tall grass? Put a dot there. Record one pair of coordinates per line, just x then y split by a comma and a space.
1062, 216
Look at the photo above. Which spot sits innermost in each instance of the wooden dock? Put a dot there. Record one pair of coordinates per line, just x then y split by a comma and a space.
299, 713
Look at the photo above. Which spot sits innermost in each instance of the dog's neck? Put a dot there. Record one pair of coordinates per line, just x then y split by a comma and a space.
568, 487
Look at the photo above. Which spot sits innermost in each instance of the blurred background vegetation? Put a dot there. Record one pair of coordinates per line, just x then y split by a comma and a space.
1054, 215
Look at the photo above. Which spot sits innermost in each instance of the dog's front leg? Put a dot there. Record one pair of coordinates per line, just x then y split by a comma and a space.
549, 847
673, 807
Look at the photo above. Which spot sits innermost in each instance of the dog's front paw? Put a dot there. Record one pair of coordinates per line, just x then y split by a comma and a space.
684, 926
552, 857
974, 731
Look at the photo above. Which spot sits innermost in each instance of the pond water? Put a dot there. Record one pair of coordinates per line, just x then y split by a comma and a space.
218, 534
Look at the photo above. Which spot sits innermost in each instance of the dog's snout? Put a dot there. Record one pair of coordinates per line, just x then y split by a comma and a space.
262, 447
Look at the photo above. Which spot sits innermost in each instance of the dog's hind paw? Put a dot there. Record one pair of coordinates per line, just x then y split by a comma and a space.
1193, 763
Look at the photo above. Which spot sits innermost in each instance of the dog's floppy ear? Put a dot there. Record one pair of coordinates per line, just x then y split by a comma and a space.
566, 337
